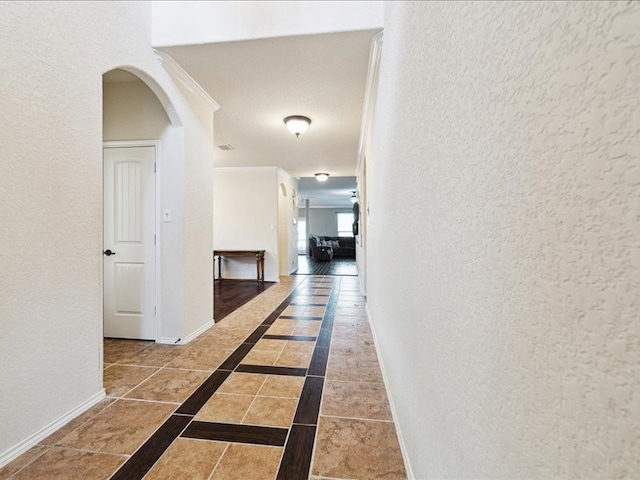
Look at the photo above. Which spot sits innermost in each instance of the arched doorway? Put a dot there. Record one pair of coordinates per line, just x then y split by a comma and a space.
134, 124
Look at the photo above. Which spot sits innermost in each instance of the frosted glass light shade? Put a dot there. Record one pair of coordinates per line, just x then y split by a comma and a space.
322, 177
297, 124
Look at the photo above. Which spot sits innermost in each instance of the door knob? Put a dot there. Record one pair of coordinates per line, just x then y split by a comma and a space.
108, 253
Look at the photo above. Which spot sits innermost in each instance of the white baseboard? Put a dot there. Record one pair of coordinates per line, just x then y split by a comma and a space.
32, 440
394, 414
199, 331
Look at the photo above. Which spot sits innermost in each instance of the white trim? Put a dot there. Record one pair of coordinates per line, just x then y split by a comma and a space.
157, 144
394, 414
44, 432
368, 119
199, 331
187, 339
235, 169
375, 55
186, 80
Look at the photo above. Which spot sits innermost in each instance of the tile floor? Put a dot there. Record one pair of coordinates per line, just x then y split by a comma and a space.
286, 387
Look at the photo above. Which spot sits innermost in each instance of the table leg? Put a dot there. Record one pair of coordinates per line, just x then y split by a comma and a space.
262, 268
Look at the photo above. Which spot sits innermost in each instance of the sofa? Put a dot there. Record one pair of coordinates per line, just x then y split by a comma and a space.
341, 247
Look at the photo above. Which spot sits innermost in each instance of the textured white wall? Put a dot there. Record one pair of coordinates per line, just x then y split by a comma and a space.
198, 219
506, 182
245, 217
53, 57
131, 111
324, 221
192, 23
287, 231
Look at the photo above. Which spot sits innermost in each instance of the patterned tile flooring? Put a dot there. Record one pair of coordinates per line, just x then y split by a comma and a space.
286, 387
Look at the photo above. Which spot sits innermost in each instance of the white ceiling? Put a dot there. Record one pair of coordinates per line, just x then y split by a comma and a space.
334, 193
260, 82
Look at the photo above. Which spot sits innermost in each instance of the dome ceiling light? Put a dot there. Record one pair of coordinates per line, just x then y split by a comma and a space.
322, 177
297, 124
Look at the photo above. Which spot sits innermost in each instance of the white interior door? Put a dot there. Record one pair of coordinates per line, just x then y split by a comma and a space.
129, 242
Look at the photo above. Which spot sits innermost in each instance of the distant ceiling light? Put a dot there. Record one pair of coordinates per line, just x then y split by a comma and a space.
322, 177
297, 124
353, 198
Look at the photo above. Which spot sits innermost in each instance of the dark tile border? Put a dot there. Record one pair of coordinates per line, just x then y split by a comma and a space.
229, 432
236, 357
309, 404
290, 338
318, 365
148, 454
269, 370
301, 317
298, 451
296, 460
196, 401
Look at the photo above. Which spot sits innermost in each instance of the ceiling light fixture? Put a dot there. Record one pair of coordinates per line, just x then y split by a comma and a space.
322, 177
297, 124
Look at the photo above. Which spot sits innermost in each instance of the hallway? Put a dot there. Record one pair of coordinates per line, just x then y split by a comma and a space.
288, 386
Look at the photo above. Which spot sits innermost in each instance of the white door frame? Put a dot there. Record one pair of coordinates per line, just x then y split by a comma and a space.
158, 219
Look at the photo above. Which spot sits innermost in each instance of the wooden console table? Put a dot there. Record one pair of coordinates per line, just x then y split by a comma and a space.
259, 254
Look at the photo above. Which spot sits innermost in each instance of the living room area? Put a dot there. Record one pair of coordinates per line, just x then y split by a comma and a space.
327, 226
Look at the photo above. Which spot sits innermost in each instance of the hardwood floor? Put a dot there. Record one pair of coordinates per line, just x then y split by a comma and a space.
337, 266
228, 295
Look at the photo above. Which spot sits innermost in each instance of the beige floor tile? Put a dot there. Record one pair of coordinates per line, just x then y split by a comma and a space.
119, 379
352, 346
270, 345
307, 328
200, 358
25, 459
187, 459
280, 330
243, 383
64, 464
286, 322
361, 449
261, 357
299, 347
355, 400
282, 386
62, 432
223, 342
248, 462
363, 368
224, 407
120, 428
355, 329
169, 385
275, 412
351, 311
294, 359
115, 350
154, 355
314, 311
294, 310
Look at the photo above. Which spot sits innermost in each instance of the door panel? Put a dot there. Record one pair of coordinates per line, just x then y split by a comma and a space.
129, 231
